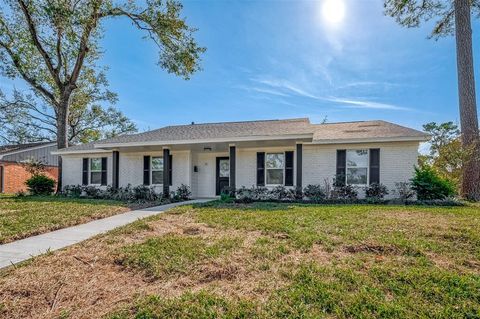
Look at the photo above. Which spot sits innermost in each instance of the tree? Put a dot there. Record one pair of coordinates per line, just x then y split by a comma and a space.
23, 120
441, 135
453, 18
447, 155
53, 45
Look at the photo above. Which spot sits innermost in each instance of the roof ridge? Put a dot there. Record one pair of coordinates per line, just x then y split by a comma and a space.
249, 121
346, 122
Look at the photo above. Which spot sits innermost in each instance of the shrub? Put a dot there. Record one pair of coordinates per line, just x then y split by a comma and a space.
40, 185
376, 191
92, 191
183, 193
315, 192
429, 185
73, 191
296, 193
404, 191
143, 192
279, 193
229, 191
344, 192
122, 193
244, 195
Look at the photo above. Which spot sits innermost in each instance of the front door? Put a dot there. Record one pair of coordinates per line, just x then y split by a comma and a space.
223, 174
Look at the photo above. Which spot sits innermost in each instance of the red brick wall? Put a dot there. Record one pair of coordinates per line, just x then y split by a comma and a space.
15, 175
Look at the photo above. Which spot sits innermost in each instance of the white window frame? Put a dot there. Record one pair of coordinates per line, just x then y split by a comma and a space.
266, 169
156, 170
90, 171
367, 167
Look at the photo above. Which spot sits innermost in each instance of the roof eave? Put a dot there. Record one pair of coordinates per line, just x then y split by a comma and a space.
28, 149
67, 152
372, 140
203, 141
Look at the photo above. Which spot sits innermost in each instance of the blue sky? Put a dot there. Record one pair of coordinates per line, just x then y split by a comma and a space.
280, 59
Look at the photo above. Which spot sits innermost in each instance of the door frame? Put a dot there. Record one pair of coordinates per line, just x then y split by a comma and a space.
217, 173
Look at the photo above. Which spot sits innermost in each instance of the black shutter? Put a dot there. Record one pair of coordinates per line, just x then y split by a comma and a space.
170, 170
85, 172
146, 170
289, 168
374, 165
261, 169
104, 171
341, 167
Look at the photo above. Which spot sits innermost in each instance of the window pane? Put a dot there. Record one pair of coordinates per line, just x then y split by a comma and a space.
357, 158
157, 163
224, 168
157, 177
96, 164
275, 160
275, 176
356, 176
96, 178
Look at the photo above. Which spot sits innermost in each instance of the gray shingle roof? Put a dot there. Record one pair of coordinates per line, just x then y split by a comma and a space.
320, 133
363, 130
4, 149
218, 130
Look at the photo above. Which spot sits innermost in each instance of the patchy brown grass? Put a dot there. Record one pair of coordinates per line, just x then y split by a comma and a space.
279, 255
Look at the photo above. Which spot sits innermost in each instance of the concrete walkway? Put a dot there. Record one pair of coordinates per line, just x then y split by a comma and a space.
27, 248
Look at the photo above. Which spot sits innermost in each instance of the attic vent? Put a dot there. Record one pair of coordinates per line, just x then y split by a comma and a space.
355, 131
369, 125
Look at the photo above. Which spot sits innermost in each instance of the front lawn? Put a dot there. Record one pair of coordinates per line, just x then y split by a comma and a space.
262, 261
21, 217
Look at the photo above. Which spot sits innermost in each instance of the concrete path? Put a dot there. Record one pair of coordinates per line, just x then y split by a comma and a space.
27, 248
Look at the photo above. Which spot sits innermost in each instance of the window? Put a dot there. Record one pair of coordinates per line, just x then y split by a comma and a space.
357, 167
274, 167
157, 170
96, 171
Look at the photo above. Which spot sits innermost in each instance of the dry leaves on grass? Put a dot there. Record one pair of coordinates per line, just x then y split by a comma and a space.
84, 281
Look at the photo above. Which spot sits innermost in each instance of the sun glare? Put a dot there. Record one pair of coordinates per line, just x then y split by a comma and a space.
333, 11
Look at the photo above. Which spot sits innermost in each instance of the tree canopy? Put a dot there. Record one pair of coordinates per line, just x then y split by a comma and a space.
411, 13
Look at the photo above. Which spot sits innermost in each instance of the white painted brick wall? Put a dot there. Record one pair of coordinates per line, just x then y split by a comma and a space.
204, 184
73, 168
396, 162
131, 168
319, 162
246, 170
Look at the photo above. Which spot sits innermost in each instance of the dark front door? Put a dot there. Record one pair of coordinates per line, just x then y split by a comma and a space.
223, 174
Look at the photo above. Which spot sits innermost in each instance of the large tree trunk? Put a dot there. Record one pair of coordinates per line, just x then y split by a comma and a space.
62, 135
468, 106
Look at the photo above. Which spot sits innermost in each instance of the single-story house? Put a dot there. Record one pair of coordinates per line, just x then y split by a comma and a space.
208, 157
12, 164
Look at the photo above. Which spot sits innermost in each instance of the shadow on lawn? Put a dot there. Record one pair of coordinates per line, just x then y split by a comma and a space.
269, 206
57, 199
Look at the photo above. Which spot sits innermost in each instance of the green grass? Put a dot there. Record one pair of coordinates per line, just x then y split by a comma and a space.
21, 217
384, 262
172, 253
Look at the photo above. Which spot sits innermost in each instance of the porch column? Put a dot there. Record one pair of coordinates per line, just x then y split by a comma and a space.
233, 161
299, 165
166, 174
115, 169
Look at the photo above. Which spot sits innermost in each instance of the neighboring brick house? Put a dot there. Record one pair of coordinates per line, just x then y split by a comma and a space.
12, 169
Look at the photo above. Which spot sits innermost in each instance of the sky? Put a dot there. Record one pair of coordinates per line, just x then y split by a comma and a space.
289, 59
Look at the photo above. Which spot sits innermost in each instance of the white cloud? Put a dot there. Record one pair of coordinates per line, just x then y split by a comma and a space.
286, 86
357, 104
268, 91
